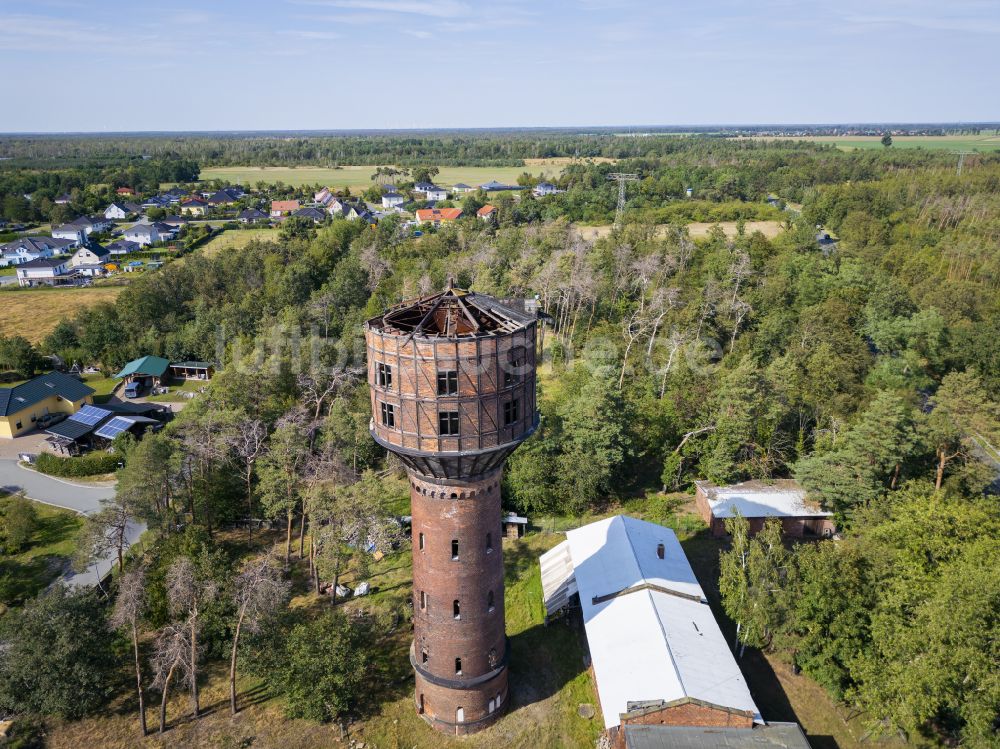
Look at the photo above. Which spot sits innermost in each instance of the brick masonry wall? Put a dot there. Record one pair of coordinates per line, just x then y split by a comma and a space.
685, 714
473, 518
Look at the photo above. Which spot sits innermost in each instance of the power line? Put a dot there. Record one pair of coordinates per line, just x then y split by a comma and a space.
621, 178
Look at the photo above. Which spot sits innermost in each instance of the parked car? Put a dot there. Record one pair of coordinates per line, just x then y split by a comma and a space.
134, 389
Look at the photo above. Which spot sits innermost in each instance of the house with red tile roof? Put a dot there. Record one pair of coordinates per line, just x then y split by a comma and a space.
438, 215
487, 212
282, 207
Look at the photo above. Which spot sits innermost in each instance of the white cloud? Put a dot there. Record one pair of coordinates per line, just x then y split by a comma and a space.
431, 8
321, 35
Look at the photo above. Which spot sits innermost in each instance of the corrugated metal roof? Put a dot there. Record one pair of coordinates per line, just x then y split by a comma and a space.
27, 394
771, 736
755, 499
153, 366
651, 634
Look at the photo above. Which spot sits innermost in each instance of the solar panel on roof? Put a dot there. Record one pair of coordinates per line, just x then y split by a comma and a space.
89, 415
114, 427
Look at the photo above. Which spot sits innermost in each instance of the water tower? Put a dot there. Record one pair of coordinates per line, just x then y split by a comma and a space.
452, 379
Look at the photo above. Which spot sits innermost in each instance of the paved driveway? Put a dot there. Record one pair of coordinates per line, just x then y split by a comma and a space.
81, 498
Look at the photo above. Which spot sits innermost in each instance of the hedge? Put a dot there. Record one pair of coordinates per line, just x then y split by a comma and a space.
92, 464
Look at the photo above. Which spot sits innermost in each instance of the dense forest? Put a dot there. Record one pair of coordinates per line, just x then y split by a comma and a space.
867, 369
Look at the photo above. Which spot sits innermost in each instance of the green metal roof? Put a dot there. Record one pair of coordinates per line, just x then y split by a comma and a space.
192, 364
35, 390
152, 366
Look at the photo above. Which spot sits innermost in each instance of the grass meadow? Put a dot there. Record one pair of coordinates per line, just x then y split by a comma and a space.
358, 178
33, 313
938, 142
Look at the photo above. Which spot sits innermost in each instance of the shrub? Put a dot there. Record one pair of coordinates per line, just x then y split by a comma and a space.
92, 464
19, 522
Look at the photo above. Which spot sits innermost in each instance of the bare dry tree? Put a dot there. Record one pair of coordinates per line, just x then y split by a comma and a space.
739, 310
106, 531
634, 327
374, 264
259, 591
248, 439
188, 592
170, 657
128, 610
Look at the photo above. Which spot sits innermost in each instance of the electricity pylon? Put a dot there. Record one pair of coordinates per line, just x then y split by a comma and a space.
961, 160
621, 178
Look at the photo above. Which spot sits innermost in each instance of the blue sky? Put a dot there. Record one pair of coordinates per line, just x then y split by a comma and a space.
113, 65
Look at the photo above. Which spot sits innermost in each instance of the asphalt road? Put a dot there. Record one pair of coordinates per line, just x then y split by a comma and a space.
77, 497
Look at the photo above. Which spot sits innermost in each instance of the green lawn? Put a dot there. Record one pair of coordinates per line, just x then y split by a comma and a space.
359, 177
9, 270
25, 574
102, 385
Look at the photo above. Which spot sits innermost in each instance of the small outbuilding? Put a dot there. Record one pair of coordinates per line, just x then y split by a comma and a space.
192, 370
149, 370
514, 526
757, 501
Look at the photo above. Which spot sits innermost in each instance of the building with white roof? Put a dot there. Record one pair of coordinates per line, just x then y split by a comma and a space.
656, 648
756, 501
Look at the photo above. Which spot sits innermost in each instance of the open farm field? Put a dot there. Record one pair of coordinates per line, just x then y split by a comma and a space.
360, 177
33, 313
945, 142
696, 229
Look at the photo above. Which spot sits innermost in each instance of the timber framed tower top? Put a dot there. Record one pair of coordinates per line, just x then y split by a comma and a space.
452, 379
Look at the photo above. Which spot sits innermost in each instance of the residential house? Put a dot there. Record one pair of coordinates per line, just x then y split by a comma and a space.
252, 216
392, 200
90, 225
435, 193
316, 215
462, 187
347, 209
175, 222
757, 501
64, 199
545, 188
90, 259
24, 249
72, 233
323, 197
147, 234
438, 216
194, 207
689, 191
656, 650
46, 271
120, 210
225, 196
487, 212
423, 186
175, 194
158, 201
53, 393
123, 247
281, 208
494, 186
125, 191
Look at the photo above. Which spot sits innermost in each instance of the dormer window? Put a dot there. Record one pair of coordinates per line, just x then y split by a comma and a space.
660, 551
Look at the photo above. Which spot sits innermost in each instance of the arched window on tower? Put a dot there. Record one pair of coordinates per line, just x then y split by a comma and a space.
454, 548
490, 604
456, 609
